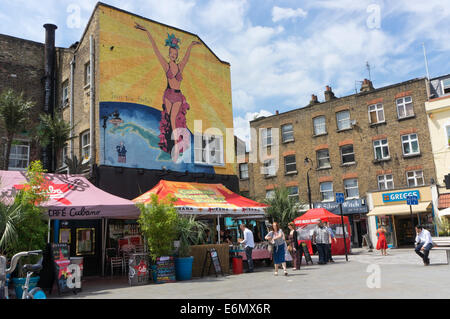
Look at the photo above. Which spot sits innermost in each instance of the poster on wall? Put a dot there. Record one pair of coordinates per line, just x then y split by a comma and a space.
155, 81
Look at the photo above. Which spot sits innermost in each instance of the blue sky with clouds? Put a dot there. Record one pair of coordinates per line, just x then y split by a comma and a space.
281, 51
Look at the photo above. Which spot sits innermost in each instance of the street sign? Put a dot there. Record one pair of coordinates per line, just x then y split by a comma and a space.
340, 198
412, 200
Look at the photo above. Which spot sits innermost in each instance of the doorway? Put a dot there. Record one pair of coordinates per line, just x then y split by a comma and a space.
405, 231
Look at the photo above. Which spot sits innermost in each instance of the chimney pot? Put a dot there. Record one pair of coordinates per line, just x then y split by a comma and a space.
366, 86
329, 95
276, 112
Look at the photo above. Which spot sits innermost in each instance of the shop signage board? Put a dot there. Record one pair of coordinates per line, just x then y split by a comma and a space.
350, 206
165, 269
399, 196
138, 269
67, 275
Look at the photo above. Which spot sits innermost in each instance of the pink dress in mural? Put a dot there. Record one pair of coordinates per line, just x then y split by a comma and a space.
174, 105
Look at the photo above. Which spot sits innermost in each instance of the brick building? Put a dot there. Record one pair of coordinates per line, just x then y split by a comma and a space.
373, 140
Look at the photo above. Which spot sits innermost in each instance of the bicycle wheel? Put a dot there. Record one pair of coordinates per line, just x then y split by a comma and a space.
37, 293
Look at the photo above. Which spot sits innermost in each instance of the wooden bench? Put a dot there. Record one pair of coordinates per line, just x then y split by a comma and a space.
442, 243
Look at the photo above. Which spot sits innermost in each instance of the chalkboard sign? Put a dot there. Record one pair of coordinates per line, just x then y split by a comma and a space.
138, 269
214, 260
367, 242
61, 260
306, 252
165, 270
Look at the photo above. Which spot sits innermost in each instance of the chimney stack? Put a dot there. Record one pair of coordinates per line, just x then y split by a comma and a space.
329, 95
313, 100
366, 86
276, 112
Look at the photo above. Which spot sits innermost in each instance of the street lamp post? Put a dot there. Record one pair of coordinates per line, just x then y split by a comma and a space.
308, 160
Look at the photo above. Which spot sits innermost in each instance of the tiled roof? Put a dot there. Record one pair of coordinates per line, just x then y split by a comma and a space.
444, 201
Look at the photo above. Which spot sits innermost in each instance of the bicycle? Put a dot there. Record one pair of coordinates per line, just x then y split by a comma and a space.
35, 293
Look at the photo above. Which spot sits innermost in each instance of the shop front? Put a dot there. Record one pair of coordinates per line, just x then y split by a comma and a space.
356, 211
389, 209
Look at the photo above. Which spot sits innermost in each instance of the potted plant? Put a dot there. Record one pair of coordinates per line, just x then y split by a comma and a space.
190, 232
30, 227
158, 223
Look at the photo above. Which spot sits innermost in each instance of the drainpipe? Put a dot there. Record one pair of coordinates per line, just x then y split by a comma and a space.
92, 102
72, 71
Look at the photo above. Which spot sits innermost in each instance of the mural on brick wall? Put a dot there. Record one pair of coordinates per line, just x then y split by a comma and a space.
154, 80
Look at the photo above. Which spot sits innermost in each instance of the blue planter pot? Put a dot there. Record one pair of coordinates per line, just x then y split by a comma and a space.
19, 282
183, 268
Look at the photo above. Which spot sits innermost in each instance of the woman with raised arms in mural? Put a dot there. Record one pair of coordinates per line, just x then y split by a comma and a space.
174, 106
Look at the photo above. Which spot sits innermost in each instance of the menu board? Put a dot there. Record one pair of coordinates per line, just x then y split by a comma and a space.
165, 270
61, 260
215, 260
138, 269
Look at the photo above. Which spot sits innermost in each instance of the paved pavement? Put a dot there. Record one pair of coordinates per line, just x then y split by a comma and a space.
401, 274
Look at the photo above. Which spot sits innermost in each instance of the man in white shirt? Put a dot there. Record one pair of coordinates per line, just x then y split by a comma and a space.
248, 244
424, 243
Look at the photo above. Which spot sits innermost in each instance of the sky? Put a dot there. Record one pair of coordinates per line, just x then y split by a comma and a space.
281, 51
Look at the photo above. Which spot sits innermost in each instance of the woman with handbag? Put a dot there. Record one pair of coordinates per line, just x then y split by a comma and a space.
279, 242
293, 246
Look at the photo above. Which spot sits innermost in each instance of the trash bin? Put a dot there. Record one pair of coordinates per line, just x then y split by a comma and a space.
237, 265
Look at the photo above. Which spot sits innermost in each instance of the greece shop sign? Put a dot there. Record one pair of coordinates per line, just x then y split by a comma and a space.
399, 196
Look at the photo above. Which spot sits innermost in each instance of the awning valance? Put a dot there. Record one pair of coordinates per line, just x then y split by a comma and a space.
403, 209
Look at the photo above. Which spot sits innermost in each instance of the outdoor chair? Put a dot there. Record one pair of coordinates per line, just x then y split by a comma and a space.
117, 262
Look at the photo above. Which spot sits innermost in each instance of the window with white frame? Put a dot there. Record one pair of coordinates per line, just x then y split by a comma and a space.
343, 120
447, 130
323, 159
326, 191
65, 93
209, 151
415, 178
381, 149
243, 171
405, 107
385, 182
347, 154
290, 164
293, 193
19, 156
266, 137
410, 144
85, 145
270, 193
446, 86
376, 113
269, 167
287, 133
320, 126
351, 188
87, 73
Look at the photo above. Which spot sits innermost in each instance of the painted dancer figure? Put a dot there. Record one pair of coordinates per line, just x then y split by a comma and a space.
174, 105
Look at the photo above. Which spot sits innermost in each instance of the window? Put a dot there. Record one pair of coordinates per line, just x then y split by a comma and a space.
243, 171
326, 191
446, 86
87, 73
323, 159
376, 113
270, 193
415, 178
410, 144
320, 126
293, 193
343, 120
85, 145
287, 133
381, 149
63, 155
289, 164
269, 167
351, 188
19, 156
210, 151
266, 137
347, 154
65, 93
405, 107
385, 182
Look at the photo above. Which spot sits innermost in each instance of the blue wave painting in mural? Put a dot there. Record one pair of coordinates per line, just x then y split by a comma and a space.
131, 139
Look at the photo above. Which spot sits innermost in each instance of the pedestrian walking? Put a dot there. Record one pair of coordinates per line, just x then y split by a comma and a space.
276, 236
294, 246
249, 244
332, 238
382, 243
321, 238
424, 243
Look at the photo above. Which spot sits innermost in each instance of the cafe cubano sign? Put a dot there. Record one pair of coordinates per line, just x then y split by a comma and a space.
399, 196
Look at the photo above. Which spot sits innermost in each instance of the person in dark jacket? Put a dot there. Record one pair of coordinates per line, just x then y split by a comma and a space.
294, 248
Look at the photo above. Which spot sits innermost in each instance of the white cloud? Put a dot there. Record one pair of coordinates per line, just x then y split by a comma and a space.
279, 14
226, 15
